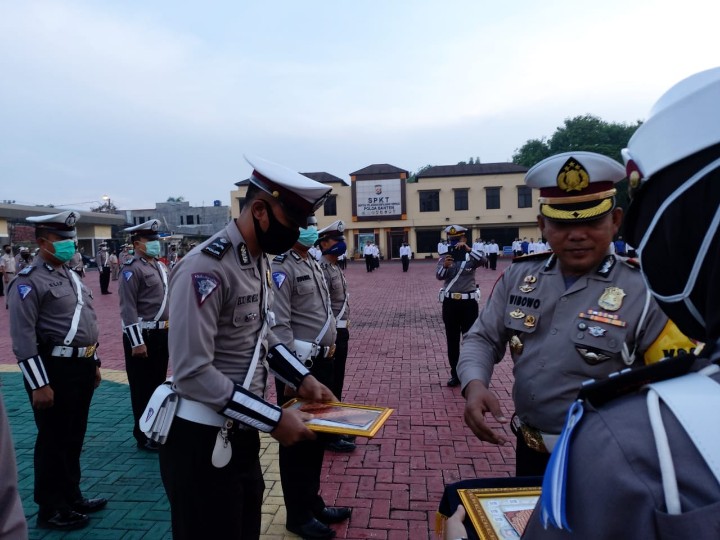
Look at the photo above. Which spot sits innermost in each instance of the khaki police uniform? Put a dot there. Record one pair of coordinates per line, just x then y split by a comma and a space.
12, 518
144, 308
102, 258
304, 322
54, 333
220, 349
459, 298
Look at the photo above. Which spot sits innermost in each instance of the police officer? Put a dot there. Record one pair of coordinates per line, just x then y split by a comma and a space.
459, 305
656, 475
405, 253
220, 298
576, 314
54, 333
23, 259
7, 266
103, 263
12, 518
144, 309
331, 242
304, 321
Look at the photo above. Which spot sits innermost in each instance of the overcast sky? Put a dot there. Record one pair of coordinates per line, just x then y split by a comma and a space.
140, 101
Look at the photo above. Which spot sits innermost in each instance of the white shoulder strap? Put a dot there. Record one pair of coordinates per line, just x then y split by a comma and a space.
689, 398
163, 275
78, 308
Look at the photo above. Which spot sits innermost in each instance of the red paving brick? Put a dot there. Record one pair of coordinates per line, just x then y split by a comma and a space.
396, 359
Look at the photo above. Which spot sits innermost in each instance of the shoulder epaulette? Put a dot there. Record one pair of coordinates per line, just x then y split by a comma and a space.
217, 248
280, 258
627, 381
129, 261
539, 256
25, 271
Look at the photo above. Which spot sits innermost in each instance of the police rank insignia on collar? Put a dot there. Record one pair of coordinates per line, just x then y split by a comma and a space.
295, 256
25, 271
205, 285
606, 266
217, 248
48, 267
611, 299
244, 254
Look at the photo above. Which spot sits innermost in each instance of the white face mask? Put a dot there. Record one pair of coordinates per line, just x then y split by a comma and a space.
684, 295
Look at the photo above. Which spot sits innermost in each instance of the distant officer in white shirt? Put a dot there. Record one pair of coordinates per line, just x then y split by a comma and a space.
405, 254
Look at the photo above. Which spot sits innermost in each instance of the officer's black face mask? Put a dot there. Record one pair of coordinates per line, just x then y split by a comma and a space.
278, 238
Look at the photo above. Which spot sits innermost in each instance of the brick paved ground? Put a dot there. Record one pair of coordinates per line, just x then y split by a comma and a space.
393, 482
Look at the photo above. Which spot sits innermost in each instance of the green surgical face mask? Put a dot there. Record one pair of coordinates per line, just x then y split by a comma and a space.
308, 236
152, 248
64, 250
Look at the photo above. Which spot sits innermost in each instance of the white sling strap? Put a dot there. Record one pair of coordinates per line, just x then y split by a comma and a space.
318, 272
163, 275
452, 282
263, 330
78, 308
688, 398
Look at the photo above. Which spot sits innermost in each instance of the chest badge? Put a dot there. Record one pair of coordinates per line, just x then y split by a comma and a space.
596, 331
611, 299
526, 288
530, 321
517, 314
516, 346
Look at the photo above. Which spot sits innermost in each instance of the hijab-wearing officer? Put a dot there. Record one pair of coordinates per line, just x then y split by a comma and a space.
220, 302
305, 323
644, 452
576, 314
143, 292
55, 336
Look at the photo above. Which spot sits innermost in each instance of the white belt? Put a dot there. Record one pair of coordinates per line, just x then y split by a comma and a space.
341, 324
194, 411
460, 296
73, 352
154, 325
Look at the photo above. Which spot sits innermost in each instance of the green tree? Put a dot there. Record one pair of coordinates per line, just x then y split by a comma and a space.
413, 177
176, 199
105, 208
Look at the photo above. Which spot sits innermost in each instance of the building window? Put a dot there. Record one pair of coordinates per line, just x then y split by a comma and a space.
461, 199
492, 198
524, 197
429, 201
427, 240
182, 220
190, 220
197, 219
330, 206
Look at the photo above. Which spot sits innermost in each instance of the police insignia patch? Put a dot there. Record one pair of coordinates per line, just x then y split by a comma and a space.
279, 278
127, 275
217, 248
24, 290
205, 285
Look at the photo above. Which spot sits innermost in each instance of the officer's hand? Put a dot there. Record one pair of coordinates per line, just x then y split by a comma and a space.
43, 398
292, 428
313, 390
478, 401
448, 262
98, 376
140, 351
454, 527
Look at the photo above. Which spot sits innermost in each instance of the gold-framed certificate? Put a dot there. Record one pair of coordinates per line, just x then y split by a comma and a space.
342, 418
499, 513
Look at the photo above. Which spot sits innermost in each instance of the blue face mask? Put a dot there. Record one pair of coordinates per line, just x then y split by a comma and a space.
64, 250
308, 236
152, 248
337, 250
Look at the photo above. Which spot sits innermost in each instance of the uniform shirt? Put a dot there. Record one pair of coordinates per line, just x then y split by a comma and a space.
442, 248
479, 247
216, 304
42, 302
405, 251
102, 258
560, 349
367, 250
466, 282
142, 290
7, 263
492, 248
301, 301
614, 485
337, 287
76, 263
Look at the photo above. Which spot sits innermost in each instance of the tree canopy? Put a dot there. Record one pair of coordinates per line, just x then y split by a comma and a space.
176, 199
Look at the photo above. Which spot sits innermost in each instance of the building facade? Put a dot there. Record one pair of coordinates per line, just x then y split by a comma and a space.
381, 205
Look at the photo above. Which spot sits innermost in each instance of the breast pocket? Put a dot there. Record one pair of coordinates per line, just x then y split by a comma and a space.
305, 288
63, 298
521, 321
597, 343
247, 315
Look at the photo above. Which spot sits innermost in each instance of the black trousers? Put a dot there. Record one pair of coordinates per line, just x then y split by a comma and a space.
339, 362
207, 502
369, 263
492, 258
104, 279
61, 432
528, 462
145, 374
301, 463
405, 262
458, 316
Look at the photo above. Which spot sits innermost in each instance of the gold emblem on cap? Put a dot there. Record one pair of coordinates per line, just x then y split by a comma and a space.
573, 176
276, 194
612, 298
529, 321
517, 314
516, 346
452, 230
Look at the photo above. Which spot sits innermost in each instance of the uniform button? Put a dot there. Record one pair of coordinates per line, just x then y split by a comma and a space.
612, 343
553, 331
582, 326
580, 335
563, 299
